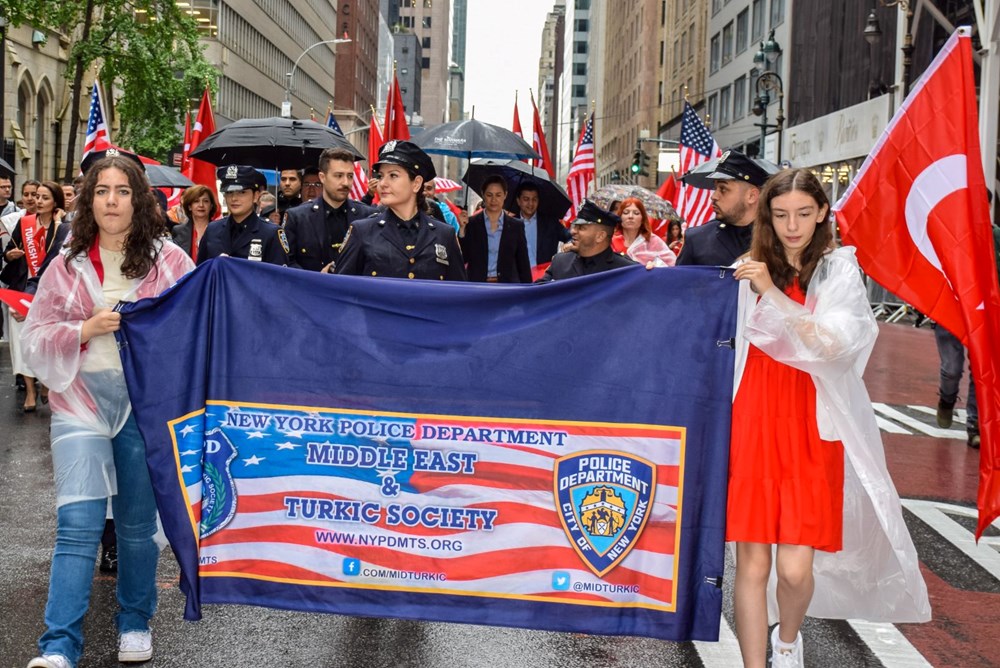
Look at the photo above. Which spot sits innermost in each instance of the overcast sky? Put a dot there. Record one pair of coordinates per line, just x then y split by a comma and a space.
503, 43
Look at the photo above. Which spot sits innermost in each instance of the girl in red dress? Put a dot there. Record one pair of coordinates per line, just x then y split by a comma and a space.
786, 483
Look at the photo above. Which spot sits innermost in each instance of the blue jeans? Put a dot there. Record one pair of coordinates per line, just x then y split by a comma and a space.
952, 354
78, 533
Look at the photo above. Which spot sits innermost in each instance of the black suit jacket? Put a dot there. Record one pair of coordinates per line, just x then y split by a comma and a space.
374, 247
259, 238
571, 265
15, 274
550, 233
714, 244
513, 265
305, 229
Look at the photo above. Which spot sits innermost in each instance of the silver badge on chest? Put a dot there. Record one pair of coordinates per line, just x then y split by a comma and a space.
441, 253
256, 250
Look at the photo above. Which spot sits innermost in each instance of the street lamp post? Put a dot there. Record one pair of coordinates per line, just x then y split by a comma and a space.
768, 82
286, 105
873, 33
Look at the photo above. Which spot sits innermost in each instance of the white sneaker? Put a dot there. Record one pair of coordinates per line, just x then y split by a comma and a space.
135, 646
50, 661
787, 659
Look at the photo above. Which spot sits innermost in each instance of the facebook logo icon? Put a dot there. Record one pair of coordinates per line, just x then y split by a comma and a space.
352, 566
560, 581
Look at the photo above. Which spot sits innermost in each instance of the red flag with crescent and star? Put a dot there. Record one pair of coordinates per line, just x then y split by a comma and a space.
919, 216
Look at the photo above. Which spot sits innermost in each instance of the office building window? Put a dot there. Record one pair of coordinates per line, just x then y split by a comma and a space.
727, 43
742, 30
716, 7
425, 42
714, 56
724, 101
713, 106
426, 22
758, 21
777, 12
425, 63
739, 98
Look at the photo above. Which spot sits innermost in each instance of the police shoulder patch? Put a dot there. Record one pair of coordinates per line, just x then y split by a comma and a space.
347, 236
283, 240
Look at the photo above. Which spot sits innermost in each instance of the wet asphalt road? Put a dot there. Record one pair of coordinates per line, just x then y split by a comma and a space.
248, 636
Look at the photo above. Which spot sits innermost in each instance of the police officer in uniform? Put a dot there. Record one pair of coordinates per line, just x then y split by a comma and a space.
316, 229
243, 233
402, 241
738, 181
592, 254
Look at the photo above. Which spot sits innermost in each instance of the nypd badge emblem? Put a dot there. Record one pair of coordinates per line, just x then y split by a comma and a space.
440, 253
218, 497
112, 152
256, 250
232, 171
389, 147
605, 498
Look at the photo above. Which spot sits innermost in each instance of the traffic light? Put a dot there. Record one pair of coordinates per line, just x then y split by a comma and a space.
640, 163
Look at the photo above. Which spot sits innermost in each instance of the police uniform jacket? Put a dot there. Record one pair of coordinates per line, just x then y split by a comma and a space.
314, 239
715, 244
571, 265
255, 238
513, 265
376, 247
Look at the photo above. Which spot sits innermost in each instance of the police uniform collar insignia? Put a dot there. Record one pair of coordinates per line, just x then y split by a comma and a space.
441, 253
232, 171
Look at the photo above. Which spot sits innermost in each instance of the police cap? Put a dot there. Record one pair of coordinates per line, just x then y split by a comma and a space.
110, 152
735, 166
240, 177
591, 214
408, 156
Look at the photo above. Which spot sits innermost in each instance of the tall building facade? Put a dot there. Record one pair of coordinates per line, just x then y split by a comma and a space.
408, 71
357, 63
430, 21
683, 29
630, 99
574, 103
550, 67
386, 58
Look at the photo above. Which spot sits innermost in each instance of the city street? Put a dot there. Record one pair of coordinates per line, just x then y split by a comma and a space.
935, 472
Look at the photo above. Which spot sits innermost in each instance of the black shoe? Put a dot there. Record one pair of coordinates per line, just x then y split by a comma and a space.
109, 559
974, 441
945, 413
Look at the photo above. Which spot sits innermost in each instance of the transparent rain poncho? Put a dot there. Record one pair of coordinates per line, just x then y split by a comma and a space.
876, 576
88, 397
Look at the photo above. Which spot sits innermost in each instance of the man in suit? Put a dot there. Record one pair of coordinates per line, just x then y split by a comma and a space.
243, 233
592, 252
316, 229
738, 181
493, 243
544, 234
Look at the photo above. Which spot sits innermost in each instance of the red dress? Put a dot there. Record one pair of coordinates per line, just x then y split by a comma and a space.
786, 484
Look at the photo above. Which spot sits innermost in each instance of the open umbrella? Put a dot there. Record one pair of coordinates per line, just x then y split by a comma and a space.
161, 176
656, 206
6, 170
271, 143
698, 176
473, 139
553, 201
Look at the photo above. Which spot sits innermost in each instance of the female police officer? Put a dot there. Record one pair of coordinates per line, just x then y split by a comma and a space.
402, 241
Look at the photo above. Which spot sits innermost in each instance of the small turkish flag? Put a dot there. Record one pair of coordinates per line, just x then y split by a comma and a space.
918, 214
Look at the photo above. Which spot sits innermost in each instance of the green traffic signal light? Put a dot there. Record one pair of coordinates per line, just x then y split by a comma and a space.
637, 160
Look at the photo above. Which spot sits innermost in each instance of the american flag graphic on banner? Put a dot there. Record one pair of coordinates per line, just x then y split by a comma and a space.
98, 137
581, 172
697, 146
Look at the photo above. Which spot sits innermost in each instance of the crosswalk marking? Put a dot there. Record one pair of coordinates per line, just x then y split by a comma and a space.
936, 516
887, 411
722, 654
958, 412
888, 645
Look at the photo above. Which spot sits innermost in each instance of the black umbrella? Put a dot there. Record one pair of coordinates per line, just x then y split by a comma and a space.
6, 170
161, 176
553, 202
473, 139
271, 143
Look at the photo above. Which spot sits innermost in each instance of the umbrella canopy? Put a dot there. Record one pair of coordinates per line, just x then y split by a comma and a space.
553, 202
271, 143
161, 176
6, 170
473, 139
656, 206
446, 185
698, 176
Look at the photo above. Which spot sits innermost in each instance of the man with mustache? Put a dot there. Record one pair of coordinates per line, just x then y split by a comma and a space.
316, 229
738, 181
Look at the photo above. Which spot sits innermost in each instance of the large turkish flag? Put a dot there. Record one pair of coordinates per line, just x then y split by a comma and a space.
919, 217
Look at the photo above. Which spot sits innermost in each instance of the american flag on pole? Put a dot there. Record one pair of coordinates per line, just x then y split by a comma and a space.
697, 146
581, 172
98, 137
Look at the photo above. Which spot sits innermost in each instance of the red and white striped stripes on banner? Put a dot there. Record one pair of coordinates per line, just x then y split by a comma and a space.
446, 185
581, 172
697, 146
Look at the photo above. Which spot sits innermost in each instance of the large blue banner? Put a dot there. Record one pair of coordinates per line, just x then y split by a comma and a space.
550, 457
